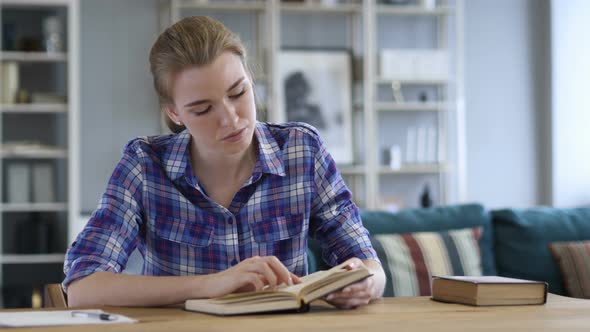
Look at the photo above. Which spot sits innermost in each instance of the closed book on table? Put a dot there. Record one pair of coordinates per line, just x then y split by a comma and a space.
488, 290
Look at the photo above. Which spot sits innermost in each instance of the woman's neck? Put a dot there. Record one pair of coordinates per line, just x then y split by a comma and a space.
222, 167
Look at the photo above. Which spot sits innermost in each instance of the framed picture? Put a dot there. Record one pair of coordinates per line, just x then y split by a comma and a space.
315, 88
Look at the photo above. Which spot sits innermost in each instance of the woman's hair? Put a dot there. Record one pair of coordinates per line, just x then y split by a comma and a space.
192, 41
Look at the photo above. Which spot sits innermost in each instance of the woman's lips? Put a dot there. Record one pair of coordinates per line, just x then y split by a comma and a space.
235, 136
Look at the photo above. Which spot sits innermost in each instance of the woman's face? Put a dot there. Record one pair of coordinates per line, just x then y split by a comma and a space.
216, 104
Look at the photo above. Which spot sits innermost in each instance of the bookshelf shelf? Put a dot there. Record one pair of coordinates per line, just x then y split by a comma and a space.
31, 258
33, 56
411, 107
33, 108
412, 10
34, 154
319, 8
415, 81
414, 169
222, 5
33, 207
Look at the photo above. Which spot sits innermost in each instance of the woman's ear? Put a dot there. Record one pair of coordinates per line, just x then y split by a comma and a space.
172, 114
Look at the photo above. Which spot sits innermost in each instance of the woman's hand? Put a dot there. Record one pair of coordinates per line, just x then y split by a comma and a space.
362, 292
252, 274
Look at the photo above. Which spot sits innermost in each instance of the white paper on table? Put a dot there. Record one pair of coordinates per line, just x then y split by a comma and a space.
58, 317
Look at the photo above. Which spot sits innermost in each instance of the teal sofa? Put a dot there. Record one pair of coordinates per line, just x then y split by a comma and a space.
514, 242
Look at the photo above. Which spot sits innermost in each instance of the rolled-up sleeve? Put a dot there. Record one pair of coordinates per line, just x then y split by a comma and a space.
112, 232
335, 221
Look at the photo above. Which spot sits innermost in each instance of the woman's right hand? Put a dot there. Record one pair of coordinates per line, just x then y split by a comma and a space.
252, 274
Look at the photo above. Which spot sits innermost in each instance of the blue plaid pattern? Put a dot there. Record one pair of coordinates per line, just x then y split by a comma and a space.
153, 202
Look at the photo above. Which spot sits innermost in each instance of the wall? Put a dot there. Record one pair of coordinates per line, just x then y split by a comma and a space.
117, 98
570, 54
505, 89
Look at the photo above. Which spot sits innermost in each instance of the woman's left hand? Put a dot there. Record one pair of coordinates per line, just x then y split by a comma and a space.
360, 293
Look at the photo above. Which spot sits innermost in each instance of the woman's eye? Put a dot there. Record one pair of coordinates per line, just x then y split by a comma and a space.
202, 112
238, 95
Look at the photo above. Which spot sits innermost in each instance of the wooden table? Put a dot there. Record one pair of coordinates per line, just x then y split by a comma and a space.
390, 314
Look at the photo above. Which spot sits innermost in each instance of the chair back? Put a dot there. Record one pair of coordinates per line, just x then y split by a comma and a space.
54, 296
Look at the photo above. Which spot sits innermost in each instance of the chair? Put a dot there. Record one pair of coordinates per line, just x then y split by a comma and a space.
54, 296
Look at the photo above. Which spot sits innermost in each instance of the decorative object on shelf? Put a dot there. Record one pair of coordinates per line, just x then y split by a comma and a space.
22, 97
395, 157
316, 89
10, 81
18, 177
423, 97
396, 89
53, 34
410, 64
425, 197
43, 182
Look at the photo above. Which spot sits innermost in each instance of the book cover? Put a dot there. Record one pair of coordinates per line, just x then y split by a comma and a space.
43, 183
285, 298
488, 290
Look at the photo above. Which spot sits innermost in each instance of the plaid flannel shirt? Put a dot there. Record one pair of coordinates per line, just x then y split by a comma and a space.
153, 202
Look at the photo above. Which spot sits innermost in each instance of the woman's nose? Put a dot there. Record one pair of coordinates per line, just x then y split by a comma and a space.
229, 114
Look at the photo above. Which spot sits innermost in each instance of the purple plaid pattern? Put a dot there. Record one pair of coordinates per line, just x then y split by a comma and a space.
153, 202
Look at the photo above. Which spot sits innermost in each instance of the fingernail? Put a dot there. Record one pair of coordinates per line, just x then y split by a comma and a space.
346, 290
330, 297
290, 281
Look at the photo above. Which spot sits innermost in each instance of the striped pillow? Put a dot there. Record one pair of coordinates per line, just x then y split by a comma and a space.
573, 259
409, 260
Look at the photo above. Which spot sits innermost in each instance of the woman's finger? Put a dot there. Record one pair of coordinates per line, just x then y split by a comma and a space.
282, 273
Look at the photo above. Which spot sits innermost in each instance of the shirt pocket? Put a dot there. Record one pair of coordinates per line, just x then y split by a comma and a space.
277, 228
192, 233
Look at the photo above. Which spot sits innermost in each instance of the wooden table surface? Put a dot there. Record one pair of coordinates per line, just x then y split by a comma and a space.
389, 314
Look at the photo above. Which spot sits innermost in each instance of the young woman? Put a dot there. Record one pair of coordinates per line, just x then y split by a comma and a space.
226, 203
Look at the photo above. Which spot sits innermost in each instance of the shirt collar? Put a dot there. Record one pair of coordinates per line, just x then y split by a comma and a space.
176, 157
270, 156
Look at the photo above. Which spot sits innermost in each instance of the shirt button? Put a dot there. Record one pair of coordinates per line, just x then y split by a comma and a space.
234, 262
230, 220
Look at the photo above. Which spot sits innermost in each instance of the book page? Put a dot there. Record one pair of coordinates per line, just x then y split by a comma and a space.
56, 318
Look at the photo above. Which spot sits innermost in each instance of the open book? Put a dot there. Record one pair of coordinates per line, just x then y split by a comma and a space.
295, 297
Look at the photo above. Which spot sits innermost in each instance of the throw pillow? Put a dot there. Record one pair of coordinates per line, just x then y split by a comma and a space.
573, 259
410, 259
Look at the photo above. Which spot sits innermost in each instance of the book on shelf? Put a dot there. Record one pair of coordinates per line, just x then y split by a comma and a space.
488, 290
285, 298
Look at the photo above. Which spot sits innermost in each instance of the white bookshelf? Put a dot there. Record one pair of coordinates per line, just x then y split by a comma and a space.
46, 133
363, 19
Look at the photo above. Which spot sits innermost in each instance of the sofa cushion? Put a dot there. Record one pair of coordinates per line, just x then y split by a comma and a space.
437, 219
410, 259
573, 259
522, 238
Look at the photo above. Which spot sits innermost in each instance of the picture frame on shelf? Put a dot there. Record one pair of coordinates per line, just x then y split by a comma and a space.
315, 87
